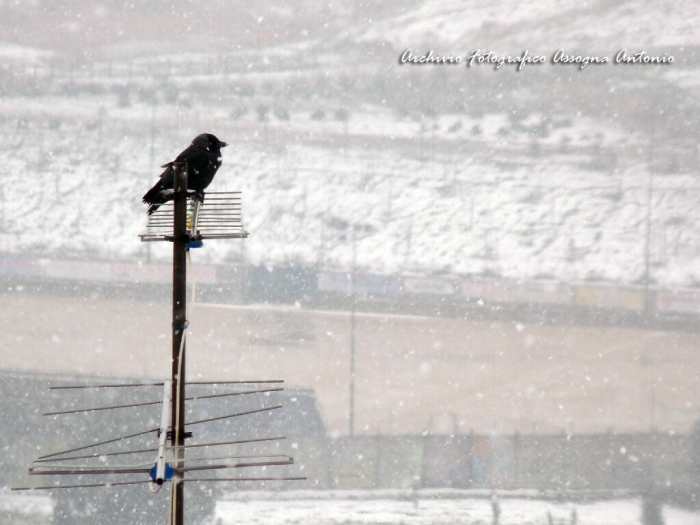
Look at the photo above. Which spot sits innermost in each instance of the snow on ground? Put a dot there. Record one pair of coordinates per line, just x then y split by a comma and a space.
560, 197
674, 516
27, 503
543, 27
452, 22
23, 54
386, 507
417, 509
423, 204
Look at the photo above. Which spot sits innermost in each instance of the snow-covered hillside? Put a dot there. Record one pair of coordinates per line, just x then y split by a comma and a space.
72, 191
422, 170
593, 25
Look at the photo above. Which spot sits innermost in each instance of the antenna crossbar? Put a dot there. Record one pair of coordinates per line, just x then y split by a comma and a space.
234, 382
252, 456
237, 465
96, 455
118, 385
147, 450
97, 409
91, 485
114, 440
229, 394
238, 442
90, 471
190, 423
191, 480
122, 483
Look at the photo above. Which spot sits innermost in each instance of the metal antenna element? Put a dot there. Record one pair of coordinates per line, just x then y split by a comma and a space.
125, 385
233, 382
97, 409
52, 487
146, 450
208, 420
188, 480
222, 443
217, 217
149, 403
229, 394
129, 385
79, 470
99, 443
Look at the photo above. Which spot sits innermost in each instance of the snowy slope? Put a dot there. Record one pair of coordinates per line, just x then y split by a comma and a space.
536, 180
72, 191
512, 26
420, 507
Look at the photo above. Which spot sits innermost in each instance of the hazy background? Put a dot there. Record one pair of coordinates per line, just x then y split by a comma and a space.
524, 244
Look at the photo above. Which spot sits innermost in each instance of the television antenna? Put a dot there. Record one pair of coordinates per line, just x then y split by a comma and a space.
185, 221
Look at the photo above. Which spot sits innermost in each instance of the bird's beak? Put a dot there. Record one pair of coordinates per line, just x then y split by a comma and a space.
224, 144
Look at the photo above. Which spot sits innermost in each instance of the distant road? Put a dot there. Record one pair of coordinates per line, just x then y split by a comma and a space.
412, 372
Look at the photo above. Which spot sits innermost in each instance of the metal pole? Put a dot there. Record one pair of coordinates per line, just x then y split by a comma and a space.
352, 338
647, 238
177, 494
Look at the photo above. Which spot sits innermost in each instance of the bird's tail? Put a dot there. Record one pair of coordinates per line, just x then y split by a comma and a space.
154, 197
151, 196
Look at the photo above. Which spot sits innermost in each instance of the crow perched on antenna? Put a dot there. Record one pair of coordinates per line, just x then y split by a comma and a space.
203, 158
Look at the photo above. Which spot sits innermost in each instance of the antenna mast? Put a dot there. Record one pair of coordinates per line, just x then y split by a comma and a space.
180, 240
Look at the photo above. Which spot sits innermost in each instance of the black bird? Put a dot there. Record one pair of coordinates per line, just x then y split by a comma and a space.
203, 158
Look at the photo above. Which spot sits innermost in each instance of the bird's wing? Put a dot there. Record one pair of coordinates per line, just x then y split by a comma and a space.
190, 153
185, 156
167, 178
